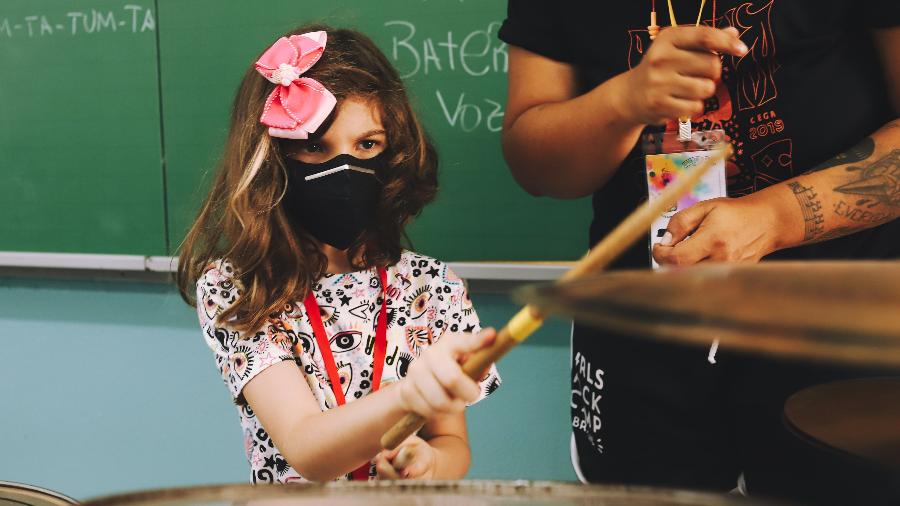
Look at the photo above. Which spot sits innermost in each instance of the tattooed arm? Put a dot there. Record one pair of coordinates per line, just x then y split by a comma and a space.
859, 188
855, 190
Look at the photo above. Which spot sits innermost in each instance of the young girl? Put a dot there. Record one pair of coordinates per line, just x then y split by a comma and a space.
304, 292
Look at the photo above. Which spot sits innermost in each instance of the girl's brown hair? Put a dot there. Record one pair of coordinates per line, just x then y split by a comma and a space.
242, 220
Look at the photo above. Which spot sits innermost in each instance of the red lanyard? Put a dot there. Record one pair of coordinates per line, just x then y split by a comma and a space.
315, 318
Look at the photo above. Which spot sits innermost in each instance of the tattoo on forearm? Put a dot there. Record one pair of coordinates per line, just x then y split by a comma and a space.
856, 214
835, 233
878, 183
856, 154
811, 206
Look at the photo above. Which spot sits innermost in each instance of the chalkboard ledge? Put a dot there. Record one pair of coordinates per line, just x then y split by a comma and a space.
48, 262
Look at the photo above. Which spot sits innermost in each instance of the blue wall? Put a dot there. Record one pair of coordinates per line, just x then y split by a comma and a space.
107, 386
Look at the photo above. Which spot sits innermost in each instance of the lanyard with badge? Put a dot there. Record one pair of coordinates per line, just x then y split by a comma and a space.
315, 319
669, 154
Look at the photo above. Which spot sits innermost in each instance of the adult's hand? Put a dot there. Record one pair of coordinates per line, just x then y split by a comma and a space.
678, 73
725, 230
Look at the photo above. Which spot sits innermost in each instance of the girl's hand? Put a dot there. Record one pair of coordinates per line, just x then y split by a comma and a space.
678, 73
414, 459
436, 384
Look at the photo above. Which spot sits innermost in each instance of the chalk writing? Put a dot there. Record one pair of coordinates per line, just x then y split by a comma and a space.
474, 54
130, 19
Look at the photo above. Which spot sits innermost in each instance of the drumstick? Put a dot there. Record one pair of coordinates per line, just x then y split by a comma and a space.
528, 319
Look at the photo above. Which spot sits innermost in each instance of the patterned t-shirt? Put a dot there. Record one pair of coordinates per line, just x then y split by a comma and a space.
425, 299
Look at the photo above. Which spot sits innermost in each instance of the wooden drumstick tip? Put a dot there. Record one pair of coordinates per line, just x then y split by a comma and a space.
524, 323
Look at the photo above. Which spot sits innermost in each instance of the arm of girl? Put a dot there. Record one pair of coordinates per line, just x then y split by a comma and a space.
324, 446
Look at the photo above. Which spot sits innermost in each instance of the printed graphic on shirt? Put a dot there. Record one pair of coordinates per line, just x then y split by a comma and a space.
425, 299
744, 105
587, 392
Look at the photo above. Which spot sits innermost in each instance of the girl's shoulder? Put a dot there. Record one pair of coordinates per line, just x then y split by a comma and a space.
425, 268
415, 270
217, 289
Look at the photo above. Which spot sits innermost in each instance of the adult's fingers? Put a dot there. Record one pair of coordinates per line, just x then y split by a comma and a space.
692, 88
697, 64
704, 38
684, 253
685, 222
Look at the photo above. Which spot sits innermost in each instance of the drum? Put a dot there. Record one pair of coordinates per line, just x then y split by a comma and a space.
18, 494
860, 417
437, 493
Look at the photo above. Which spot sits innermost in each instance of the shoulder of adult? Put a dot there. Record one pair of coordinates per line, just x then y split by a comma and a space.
538, 27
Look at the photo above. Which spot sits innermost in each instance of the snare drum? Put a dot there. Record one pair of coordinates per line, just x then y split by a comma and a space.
413, 493
19, 494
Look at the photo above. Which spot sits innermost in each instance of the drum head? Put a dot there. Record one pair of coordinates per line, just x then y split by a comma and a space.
386, 493
19, 494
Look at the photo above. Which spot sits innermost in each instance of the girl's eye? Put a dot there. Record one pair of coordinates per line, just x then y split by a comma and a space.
312, 147
368, 144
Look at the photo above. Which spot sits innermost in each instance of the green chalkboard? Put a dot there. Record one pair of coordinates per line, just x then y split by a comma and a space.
80, 164
455, 69
114, 113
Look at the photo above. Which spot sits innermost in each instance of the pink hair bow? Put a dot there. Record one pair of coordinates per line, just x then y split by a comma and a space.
298, 105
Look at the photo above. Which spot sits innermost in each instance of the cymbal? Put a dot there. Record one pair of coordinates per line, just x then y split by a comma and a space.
859, 416
834, 311
421, 493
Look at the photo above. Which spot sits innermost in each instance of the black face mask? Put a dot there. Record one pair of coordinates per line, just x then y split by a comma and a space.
335, 207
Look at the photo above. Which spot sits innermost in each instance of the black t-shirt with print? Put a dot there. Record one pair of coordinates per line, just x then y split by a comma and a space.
811, 87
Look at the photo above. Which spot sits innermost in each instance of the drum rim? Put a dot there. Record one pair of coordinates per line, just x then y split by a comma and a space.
231, 491
34, 488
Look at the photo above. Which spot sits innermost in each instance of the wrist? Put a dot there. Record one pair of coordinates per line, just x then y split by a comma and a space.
621, 102
777, 217
400, 395
450, 457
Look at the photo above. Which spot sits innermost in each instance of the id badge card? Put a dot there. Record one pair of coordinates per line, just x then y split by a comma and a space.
667, 158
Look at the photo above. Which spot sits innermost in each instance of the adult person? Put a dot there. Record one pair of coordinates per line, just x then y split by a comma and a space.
808, 93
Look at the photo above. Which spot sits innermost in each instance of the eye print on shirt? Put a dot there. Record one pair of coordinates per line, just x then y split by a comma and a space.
418, 338
305, 343
329, 314
346, 341
403, 361
418, 302
345, 376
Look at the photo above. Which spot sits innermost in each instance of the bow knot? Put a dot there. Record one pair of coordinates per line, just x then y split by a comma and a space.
285, 74
298, 105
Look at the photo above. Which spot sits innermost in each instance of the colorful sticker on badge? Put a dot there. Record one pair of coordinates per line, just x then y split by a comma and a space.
664, 168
